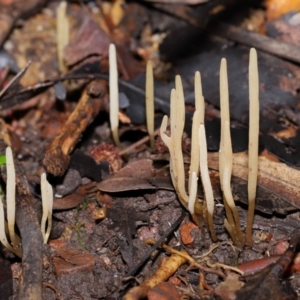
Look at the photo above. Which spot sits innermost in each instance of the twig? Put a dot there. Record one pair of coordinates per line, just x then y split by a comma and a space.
56, 159
270, 45
138, 143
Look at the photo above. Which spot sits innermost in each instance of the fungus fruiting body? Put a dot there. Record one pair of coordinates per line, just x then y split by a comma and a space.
13, 246
114, 95
232, 223
253, 141
199, 152
206, 183
62, 24
11, 195
9, 226
150, 102
173, 142
47, 201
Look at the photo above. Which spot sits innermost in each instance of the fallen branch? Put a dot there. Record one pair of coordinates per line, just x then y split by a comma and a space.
56, 159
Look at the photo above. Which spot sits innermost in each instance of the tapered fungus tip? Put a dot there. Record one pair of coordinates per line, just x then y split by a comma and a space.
112, 47
223, 62
164, 124
253, 52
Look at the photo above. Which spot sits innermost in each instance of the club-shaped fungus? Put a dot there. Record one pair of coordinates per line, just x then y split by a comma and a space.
62, 31
198, 118
232, 223
150, 102
253, 141
13, 246
3, 229
114, 95
173, 142
11, 195
9, 226
47, 201
206, 183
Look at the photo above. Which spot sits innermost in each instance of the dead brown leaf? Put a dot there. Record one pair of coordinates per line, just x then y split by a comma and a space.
89, 40
72, 260
141, 168
132, 177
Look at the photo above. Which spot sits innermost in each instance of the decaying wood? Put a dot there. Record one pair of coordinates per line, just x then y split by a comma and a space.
56, 159
32, 241
258, 41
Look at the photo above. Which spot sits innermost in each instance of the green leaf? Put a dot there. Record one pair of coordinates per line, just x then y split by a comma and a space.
2, 160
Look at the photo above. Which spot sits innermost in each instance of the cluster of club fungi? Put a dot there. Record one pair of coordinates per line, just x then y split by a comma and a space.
198, 162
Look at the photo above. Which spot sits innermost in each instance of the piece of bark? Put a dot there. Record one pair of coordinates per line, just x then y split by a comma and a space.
56, 159
262, 42
32, 241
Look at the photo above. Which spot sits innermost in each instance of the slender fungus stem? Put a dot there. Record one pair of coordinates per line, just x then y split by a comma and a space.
224, 107
3, 238
177, 126
173, 143
47, 201
114, 95
193, 193
253, 141
11, 196
198, 118
225, 160
228, 198
13, 246
62, 24
195, 147
208, 191
150, 102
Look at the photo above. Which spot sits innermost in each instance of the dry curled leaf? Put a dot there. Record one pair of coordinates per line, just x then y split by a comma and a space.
134, 176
